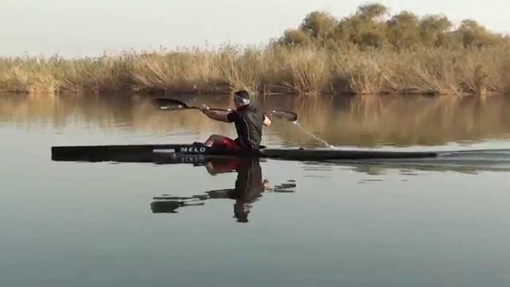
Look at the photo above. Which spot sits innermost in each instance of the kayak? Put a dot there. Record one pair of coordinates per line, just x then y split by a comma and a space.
197, 152
182, 152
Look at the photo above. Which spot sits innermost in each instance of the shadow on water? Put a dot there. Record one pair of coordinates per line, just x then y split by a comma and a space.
248, 188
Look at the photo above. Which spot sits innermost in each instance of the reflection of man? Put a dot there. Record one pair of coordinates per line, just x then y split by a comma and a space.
248, 188
249, 184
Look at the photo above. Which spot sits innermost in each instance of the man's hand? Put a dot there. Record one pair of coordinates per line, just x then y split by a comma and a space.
267, 185
207, 112
211, 114
216, 115
204, 109
267, 121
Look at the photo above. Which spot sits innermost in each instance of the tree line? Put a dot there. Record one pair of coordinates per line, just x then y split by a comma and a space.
371, 27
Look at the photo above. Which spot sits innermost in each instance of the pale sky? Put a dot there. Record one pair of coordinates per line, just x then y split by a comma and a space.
90, 27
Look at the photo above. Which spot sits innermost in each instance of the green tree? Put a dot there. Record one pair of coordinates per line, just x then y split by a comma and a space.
404, 30
294, 37
318, 25
367, 28
473, 34
364, 28
435, 30
372, 12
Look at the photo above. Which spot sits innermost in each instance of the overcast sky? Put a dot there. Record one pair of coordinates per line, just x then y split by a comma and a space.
89, 27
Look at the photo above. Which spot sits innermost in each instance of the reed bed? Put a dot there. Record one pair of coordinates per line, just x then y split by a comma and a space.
310, 70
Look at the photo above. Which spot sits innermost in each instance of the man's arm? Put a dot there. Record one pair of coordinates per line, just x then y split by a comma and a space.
221, 116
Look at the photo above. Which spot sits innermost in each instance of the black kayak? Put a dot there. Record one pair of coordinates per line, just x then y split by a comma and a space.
147, 153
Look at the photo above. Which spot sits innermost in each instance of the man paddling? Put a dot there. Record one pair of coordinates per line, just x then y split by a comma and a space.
248, 122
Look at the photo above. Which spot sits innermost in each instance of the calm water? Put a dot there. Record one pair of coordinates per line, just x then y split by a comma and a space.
372, 224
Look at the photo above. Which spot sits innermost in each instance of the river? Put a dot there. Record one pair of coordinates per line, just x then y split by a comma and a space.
313, 224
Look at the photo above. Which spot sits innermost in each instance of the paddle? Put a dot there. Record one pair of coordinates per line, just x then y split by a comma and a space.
176, 105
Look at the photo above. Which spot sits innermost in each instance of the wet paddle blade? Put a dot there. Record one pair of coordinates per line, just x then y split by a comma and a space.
284, 115
169, 104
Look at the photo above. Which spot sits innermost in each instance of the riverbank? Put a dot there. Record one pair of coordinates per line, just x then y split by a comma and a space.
310, 70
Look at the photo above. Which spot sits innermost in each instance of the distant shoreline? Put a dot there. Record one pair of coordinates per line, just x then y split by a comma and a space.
364, 54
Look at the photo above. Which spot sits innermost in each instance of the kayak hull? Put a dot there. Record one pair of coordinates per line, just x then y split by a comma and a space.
311, 154
190, 152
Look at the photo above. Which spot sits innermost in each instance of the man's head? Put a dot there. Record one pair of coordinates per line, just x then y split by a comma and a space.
241, 98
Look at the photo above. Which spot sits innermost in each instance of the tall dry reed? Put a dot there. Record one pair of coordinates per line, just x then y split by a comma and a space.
307, 70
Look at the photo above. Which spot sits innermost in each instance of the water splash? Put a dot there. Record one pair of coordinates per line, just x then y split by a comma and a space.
314, 136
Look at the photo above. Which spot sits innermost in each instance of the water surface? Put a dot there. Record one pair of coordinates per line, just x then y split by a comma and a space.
317, 224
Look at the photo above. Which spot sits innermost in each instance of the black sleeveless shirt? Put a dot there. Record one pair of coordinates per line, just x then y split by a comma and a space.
248, 122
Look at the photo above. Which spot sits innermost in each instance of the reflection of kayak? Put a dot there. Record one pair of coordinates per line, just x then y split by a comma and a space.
191, 152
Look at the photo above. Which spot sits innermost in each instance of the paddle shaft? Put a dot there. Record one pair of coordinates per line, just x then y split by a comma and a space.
172, 104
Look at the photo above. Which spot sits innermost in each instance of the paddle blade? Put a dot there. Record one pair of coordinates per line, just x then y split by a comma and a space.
284, 115
169, 104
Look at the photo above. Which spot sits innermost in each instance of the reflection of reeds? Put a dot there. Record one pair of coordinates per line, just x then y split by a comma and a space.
105, 113
274, 69
398, 121
359, 121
